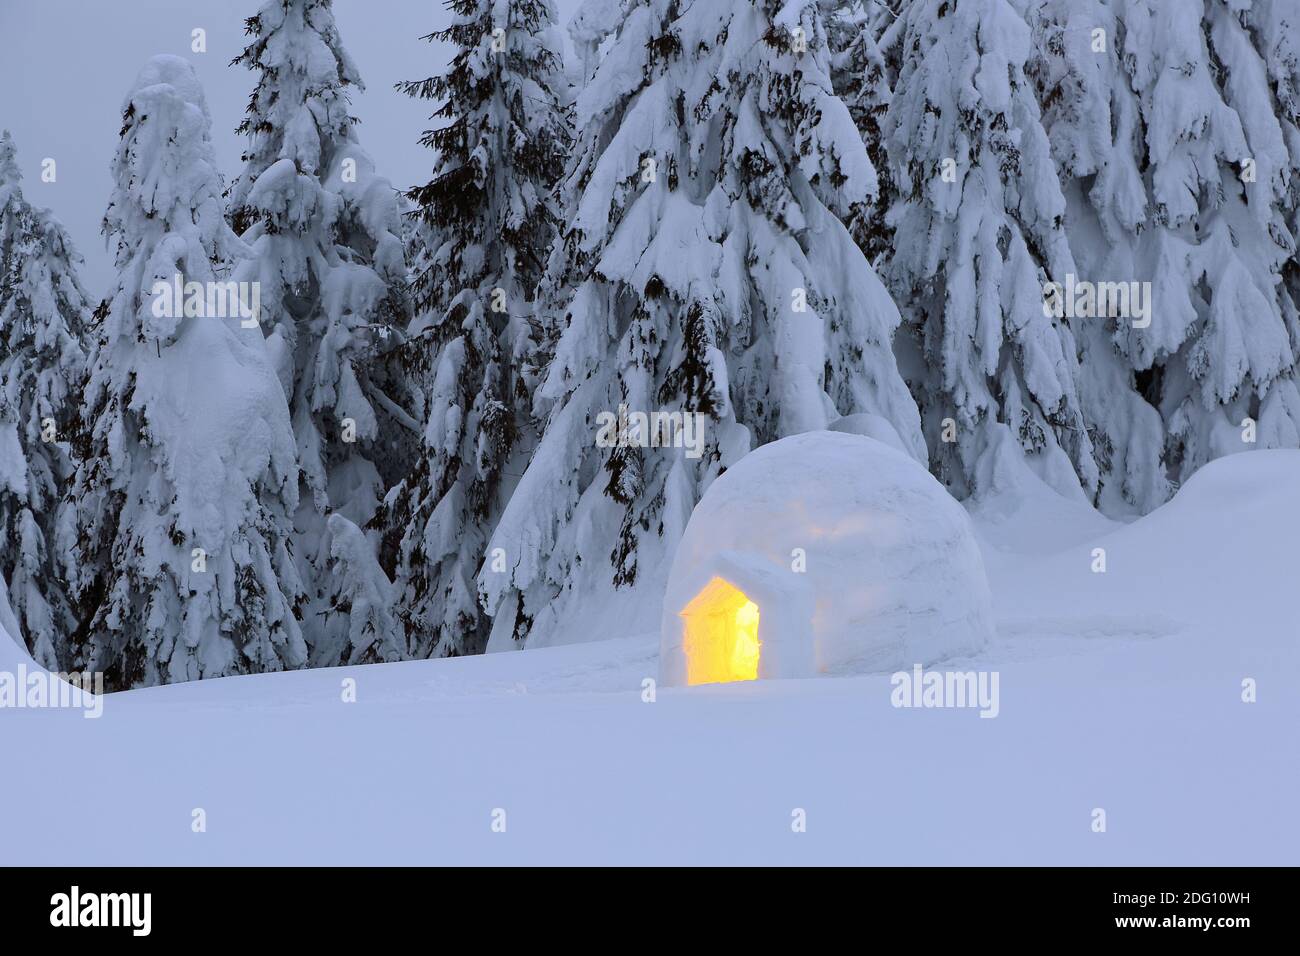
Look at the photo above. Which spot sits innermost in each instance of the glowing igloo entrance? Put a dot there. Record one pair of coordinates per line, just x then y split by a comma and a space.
721, 635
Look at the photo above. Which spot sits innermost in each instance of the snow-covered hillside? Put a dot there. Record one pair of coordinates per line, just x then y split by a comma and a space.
1119, 690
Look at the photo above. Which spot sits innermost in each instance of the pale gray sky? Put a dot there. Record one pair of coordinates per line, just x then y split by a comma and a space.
67, 64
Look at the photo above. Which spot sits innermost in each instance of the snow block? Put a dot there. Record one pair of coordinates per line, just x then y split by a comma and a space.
845, 552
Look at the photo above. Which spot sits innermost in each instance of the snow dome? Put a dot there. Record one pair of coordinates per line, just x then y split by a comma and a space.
822, 551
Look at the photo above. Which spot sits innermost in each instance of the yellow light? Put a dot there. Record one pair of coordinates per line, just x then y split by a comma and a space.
744, 650
721, 635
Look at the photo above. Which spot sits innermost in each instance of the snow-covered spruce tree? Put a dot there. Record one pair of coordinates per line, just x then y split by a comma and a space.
1177, 125
359, 624
979, 230
490, 222
863, 38
1081, 88
711, 274
43, 314
9, 629
186, 482
325, 232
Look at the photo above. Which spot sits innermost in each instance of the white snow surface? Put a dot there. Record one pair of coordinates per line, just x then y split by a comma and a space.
1120, 690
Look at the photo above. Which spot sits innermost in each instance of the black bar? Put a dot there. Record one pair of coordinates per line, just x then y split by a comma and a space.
335, 905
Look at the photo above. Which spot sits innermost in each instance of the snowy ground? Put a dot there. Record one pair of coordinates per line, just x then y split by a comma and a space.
1119, 690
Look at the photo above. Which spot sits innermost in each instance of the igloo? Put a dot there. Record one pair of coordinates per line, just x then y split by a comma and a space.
822, 552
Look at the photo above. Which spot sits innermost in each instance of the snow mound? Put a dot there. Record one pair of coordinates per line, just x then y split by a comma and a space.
1264, 475
1233, 525
854, 555
1229, 531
